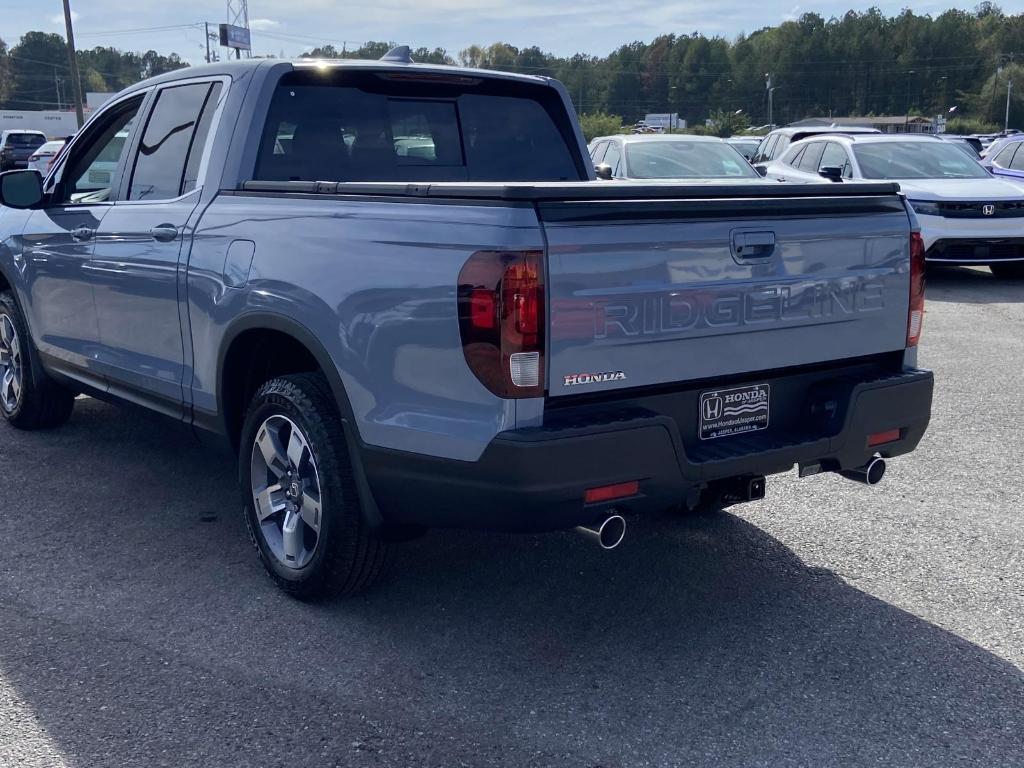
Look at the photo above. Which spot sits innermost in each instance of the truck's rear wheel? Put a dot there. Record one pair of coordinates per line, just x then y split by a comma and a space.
29, 399
300, 500
1008, 270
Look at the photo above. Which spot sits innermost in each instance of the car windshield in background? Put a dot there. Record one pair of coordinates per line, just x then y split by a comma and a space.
372, 129
915, 160
685, 160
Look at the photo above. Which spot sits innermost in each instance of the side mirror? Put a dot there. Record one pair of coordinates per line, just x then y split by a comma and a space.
762, 170
21, 189
831, 172
603, 171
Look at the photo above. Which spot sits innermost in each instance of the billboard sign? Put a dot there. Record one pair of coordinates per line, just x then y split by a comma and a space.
235, 37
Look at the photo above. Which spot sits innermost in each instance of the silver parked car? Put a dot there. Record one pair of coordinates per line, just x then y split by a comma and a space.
654, 157
966, 216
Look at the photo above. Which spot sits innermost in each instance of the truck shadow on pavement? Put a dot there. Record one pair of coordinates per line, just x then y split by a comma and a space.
971, 285
139, 629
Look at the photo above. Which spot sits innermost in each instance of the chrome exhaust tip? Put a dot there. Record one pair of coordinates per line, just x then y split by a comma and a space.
608, 534
870, 474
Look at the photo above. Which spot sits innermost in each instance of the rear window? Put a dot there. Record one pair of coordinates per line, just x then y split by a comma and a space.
349, 126
25, 140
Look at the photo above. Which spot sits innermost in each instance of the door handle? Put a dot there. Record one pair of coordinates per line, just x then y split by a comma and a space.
753, 245
82, 234
164, 232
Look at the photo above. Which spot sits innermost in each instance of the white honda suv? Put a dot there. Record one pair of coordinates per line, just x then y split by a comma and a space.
966, 215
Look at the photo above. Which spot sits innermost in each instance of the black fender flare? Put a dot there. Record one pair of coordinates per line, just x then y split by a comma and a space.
273, 321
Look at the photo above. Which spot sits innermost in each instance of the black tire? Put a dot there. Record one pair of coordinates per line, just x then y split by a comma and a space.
1009, 270
42, 403
347, 557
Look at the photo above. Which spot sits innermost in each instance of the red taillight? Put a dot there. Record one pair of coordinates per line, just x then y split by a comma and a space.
610, 492
915, 318
501, 317
881, 438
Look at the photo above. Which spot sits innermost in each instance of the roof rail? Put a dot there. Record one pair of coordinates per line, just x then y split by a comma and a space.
399, 53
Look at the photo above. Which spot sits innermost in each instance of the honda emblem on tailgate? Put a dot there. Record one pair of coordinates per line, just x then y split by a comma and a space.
988, 210
712, 408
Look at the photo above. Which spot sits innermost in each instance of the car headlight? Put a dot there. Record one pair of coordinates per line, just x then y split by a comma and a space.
925, 208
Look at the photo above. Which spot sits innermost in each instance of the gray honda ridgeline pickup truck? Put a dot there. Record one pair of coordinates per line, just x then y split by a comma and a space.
399, 293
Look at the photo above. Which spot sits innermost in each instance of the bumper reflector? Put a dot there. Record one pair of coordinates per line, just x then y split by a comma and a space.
610, 492
880, 438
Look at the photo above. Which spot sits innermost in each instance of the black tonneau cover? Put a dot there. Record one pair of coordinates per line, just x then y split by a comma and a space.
574, 190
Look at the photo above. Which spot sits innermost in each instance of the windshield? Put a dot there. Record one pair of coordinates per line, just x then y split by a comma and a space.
915, 160
685, 160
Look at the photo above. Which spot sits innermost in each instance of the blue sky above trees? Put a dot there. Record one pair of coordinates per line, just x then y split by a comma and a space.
562, 27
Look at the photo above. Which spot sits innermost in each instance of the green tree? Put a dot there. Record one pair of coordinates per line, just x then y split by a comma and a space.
724, 123
5, 72
600, 124
39, 62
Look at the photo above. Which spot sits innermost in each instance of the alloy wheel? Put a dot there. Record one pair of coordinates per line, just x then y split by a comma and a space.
11, 371
286, 492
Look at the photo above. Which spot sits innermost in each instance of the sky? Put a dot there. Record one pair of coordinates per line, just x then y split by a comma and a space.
289, 27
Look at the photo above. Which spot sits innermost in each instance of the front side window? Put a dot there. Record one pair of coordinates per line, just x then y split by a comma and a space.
835, 156
915, 160
366, 127
170, 141
613, 157
92, 166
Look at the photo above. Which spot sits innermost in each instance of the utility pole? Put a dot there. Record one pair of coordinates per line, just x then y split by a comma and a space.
1009, 90
76, 83
768, 87
206, 25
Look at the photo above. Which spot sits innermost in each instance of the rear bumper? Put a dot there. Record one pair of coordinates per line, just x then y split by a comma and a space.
535, 479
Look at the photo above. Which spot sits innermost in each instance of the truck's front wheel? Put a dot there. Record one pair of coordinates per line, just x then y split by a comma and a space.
300, 500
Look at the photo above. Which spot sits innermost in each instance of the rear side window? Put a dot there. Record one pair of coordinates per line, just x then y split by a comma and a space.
1005, 156
173, 142
365, 127
810, 161
792, 158
1017, 163
780, 146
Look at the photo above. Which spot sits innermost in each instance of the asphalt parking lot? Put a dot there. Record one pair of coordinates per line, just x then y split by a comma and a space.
831, 624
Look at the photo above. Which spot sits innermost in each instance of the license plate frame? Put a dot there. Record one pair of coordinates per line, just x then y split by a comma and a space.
733, 411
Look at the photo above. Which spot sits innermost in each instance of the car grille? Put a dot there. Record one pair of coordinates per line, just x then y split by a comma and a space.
974, 210
981, 251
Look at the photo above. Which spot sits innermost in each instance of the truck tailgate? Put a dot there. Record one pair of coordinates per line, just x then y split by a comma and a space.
649, 292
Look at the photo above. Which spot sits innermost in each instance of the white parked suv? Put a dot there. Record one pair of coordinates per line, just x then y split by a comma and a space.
966, 215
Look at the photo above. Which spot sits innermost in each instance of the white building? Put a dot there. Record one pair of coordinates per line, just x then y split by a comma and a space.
56, 124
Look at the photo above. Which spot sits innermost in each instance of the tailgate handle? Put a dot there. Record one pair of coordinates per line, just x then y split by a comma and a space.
753, 245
